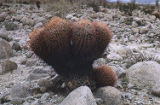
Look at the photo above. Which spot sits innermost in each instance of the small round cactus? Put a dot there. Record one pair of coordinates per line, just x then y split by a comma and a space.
156, 14
104, 76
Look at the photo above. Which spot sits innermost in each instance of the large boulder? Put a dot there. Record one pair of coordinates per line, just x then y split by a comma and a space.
80, 96
144, 74
5, 49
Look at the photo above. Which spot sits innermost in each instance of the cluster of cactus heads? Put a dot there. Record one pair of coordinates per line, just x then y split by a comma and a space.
70, 48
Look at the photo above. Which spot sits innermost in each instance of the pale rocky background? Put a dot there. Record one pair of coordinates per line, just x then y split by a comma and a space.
134, 54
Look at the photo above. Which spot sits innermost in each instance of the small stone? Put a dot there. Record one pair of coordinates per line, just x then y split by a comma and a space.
80, 96
99, 62
118, 70
29, 54
30, 62
16, 46
139, 21
135, 30
109, 95
45, 83
156, 90
74, 18
4, 98
39, 19
17, 101
143, 30
48, 16
18, 17
6, 50
8, 66
69, 16
3, 15
114, 57
38, 25
5, 37
33, 76
20, 91
44, 97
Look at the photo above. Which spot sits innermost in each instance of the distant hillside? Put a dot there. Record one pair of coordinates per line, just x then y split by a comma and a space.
137, 1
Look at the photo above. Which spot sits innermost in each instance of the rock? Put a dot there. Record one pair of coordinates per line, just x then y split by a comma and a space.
156, 90
44, 97
114, 57
109, 95
16, 46
4, 97
29, 54
80, 96
39, 19
48, 16
30, 62
17, 101
143, 30
20, 91
118, 70
8, 66
45, 84
27, 21
6, 50
32, 101
99, 62
139, 21
38, 25
144, 74
3, 15
18, 17
5, 36
40, 71
8, 18
2, 19
153, 18
74, 19
69, 16
135, 30
33, 76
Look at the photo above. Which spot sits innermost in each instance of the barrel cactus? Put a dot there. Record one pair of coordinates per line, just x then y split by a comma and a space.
70, 48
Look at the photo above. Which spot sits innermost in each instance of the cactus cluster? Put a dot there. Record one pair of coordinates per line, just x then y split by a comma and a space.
70, 48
